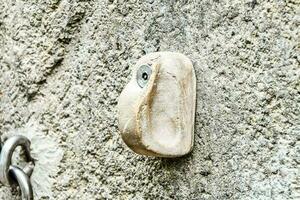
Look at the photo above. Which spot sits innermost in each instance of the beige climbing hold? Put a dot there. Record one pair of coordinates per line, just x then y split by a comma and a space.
157, 107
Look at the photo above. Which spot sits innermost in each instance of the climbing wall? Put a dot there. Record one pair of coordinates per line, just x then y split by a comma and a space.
64, 63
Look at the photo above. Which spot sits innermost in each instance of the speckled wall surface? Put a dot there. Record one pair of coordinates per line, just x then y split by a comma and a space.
64, 63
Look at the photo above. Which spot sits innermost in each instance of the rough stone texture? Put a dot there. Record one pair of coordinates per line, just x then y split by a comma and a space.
64, 63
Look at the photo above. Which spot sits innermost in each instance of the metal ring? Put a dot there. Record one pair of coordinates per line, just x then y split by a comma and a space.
6, 154
21, 178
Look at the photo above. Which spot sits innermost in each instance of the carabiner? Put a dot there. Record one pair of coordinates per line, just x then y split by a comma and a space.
21, 178
7, 151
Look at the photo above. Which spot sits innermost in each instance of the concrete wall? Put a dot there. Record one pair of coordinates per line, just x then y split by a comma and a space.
64, 63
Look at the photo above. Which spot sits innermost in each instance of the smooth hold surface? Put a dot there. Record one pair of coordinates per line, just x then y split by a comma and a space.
157, 106
64, 64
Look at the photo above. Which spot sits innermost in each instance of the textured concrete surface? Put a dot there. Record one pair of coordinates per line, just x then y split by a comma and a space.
64, 63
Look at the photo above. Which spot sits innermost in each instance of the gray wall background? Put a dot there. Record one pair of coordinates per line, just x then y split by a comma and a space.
64, 63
